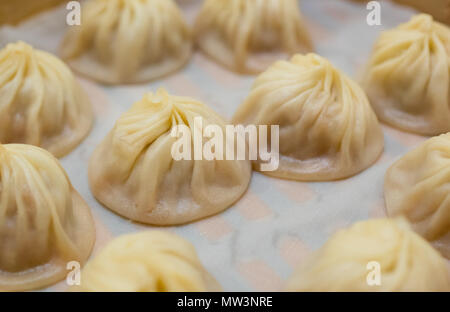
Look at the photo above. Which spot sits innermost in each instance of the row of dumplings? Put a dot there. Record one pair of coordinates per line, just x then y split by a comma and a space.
328, 131
406, 79
44, 224
245, 36
162, 261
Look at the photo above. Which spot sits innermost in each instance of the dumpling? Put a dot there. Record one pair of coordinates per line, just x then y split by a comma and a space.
376, 255
248, 35
153, 261
417, 186
407, 78
327, 129
44, 222
41, 101
128, 41
133, 171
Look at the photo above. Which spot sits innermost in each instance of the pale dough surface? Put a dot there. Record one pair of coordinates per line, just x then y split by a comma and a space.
328, 129
124, 42
42, 103
417, 186
44, 222
407, 262
147, 262
407, 77
133, 171
248, 35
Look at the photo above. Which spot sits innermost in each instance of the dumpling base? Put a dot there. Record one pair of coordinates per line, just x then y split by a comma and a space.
385, 108
87, 66
256, 62
319, 170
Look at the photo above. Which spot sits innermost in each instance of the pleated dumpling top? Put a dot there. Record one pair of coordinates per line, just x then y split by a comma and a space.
327, 127
407, 77
153, 261
44, 223
417, 186
135, 173
41, 101
248, 35
375, 255
128, 41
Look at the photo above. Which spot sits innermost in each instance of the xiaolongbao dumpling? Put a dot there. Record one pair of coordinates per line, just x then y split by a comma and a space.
41, 101
44, 222
408, 76
128, 41
417, 186
375, 255
146, 262
248, 35
133, 171
327, 128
